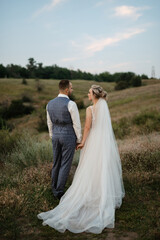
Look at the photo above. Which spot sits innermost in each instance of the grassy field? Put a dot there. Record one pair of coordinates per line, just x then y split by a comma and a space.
26, 161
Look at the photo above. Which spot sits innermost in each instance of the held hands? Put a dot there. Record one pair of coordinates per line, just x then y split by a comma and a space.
79, 146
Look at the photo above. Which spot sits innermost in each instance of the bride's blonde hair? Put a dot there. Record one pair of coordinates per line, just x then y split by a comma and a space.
98, 91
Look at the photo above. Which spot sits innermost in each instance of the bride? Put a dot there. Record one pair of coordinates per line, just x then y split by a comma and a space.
97, 189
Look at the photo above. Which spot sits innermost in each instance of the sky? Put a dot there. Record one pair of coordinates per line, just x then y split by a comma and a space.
90, 35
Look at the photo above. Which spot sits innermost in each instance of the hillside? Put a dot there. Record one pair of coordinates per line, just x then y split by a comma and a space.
122, 104
26, 160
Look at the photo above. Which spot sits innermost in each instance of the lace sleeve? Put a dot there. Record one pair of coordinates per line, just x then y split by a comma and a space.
93, 115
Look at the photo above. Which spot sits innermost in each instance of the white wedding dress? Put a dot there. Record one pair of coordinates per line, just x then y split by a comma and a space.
97, 188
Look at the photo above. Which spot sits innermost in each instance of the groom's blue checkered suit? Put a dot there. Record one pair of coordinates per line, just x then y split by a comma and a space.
64, 143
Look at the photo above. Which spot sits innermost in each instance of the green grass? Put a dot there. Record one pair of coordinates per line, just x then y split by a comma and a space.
142, 123
50, 91
122, 101
122, 104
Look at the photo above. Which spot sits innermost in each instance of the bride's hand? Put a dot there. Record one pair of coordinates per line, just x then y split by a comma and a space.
80, 146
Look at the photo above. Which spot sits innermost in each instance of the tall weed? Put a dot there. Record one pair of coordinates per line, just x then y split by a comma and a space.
121, 128
148, 121
30, 152
8, 142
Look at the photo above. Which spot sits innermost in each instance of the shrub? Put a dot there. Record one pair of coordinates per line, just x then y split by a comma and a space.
24, 81
3, 107
3, 124
121, 85
136, 81
16, 109
26, 98
8, 141
72, 97
121, 128
80, 104
39, 86
42, 120
29, 151
148, 121
144, 76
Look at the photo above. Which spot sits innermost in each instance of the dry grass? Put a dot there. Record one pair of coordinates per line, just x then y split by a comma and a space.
132, 101
141, 143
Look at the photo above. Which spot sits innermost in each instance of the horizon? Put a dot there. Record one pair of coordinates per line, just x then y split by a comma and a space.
94, 36
43, 66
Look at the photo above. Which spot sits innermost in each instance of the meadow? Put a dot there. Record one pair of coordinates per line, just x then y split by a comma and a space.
26, 159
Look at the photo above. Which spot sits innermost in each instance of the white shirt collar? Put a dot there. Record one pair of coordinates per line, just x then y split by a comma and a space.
62, 95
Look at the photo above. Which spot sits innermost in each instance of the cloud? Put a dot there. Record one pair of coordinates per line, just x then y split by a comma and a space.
129, 11
88, 46
47, 7
99, 45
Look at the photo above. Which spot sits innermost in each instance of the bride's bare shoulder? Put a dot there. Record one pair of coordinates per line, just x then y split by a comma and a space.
89, 109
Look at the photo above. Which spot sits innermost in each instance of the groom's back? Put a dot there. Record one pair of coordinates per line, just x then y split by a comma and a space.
60, 115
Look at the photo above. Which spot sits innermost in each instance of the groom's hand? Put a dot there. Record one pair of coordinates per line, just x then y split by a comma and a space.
79, 146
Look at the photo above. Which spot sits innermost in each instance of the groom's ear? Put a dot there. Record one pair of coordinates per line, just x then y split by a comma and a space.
66, 90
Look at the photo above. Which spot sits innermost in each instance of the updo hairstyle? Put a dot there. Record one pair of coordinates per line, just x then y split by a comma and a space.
98, 91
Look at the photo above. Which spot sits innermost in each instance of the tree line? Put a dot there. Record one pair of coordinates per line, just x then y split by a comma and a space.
38, 71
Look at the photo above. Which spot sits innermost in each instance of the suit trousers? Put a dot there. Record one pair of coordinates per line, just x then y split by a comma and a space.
63, 151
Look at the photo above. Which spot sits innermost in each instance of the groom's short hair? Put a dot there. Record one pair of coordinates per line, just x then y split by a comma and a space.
63, 84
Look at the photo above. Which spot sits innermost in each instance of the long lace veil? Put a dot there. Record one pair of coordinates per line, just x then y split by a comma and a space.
108, 150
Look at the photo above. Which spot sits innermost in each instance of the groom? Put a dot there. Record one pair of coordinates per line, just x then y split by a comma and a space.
65, 130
